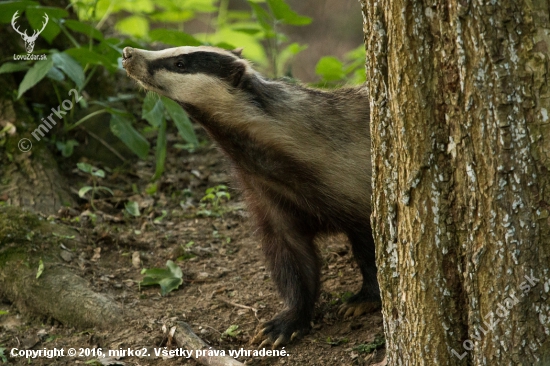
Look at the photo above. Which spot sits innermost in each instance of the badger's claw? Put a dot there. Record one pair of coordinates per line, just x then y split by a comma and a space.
281, 330
355, 309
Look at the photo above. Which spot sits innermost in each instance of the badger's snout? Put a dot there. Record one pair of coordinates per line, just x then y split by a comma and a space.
126, 55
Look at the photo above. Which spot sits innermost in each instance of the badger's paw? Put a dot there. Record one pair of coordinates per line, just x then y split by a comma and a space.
282, 329
359, 304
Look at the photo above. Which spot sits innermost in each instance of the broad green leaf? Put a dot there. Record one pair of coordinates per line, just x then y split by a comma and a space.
132, 208
173, 37
161, 150
13, 67
82, 191
183, 124
169, 278
34, 75
70, 67
283, 13
253, 49
134, 25
152, 109
8, 8
55, 74
121, 126
83, 28
84, 56
35, 15
330, 68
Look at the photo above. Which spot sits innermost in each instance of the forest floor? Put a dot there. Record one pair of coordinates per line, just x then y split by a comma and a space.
225, 282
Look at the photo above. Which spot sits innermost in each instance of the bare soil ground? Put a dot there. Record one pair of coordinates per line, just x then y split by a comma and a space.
225, 279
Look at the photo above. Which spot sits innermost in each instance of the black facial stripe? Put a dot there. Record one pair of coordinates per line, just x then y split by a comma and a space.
221, 66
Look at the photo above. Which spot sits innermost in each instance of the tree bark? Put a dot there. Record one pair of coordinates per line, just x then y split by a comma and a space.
57, 292
460, 130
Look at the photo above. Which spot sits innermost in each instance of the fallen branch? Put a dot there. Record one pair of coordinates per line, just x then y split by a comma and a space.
187, 339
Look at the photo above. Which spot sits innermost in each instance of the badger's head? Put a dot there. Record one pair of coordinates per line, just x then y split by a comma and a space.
194, 76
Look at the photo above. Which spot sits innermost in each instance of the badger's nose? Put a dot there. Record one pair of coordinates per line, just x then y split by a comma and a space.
127, 53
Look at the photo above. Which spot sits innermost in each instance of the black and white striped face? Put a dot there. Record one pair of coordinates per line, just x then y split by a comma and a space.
189, 75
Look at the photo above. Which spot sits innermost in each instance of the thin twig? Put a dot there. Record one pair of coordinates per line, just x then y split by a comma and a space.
104, 143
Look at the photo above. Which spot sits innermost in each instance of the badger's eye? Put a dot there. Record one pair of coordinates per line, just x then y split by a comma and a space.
179, 65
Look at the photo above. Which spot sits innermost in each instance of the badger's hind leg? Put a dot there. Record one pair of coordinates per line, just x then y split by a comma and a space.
368, 298
288, 245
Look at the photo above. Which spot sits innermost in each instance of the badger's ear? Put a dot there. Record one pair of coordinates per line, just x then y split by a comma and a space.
237, 52
237, 73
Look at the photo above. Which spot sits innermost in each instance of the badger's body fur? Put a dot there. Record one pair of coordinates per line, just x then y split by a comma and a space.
301, 156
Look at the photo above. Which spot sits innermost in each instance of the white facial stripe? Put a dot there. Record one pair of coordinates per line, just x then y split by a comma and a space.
175, 51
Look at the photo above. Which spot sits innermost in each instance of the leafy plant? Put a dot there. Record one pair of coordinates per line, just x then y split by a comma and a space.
335, 73
231, 332
213, 199
379, 342
3, 355
169, 278
94, 173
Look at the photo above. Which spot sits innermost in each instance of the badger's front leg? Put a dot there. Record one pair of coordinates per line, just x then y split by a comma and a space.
293, 260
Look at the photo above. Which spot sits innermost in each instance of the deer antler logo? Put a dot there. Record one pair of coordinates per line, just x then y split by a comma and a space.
29, 41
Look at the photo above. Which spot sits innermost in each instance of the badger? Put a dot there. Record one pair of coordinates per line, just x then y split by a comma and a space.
301, 157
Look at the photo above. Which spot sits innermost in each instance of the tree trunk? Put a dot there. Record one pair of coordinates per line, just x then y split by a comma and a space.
460, 107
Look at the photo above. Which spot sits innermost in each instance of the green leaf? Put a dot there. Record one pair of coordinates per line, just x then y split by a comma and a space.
132, 208
152, 109
232, 331
70, 67
169, 278
83, 28
35, 15
55, 74
40, 269
134, 25
66, 147
106, 189
85, 167
84, 56
173, 37
287, 54
176, 16
330, 68
161, 150
8, 8
121, 126
159, 219
34, 75
178, 115
99, 173
379, 342
264, 18
82, 191
283, 13
13, 67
